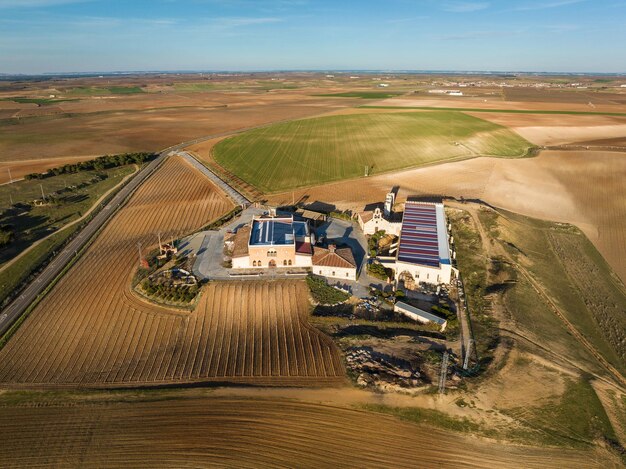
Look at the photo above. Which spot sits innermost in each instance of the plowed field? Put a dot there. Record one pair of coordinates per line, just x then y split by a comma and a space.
91, 330
235, 432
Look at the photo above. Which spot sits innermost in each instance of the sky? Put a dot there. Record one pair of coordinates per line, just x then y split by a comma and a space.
44, 36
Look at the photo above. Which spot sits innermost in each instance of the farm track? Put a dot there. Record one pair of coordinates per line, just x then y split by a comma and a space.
240, 432
91, 330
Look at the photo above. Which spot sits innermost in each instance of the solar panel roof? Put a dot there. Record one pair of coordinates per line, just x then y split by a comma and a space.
272, 232
419, 241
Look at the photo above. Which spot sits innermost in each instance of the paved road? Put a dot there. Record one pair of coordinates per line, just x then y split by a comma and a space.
19, 305
239, 198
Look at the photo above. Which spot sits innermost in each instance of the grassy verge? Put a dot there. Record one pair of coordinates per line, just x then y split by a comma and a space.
575, 419
38, 222
425, 417
38, 101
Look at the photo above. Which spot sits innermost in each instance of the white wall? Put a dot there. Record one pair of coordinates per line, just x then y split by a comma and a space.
241, 262
340, 273
426, 274
303, 261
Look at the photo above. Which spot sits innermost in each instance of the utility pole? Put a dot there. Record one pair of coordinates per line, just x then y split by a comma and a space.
468, 352
10, 177
11, 198
43, 196
160, 246
444, 373
140, 256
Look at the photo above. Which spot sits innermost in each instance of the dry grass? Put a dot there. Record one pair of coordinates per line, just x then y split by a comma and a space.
584, 188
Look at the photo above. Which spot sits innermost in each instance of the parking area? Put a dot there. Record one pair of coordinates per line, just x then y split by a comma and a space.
208, 249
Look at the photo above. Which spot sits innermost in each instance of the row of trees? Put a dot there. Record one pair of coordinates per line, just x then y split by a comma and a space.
97, 164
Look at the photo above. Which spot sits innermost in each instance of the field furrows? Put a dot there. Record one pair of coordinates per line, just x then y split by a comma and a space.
235, 432
92, 330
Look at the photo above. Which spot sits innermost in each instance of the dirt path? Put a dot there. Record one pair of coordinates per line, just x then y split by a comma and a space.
498, 250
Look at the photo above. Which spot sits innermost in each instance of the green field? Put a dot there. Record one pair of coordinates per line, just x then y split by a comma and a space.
364, 94
314, 151
38, 101
97, 91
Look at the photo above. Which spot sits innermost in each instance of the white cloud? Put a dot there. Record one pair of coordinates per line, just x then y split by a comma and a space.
546, 5
464, 7
36, 3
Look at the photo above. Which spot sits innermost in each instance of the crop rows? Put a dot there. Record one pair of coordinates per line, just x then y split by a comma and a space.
92, 330
245, 432
313, 151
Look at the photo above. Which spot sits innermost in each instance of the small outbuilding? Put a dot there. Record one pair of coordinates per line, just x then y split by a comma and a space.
419, 315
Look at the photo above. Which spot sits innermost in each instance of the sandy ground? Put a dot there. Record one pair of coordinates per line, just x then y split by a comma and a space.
585, 188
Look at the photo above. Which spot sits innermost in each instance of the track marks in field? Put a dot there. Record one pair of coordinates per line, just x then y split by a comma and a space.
92, 330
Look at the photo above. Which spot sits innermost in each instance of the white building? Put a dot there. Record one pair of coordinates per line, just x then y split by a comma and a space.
284, 242
380, 217
334, 262
423, 250
419, 315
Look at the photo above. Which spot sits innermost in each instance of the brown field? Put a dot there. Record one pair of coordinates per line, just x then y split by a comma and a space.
21, 168
148, 121
240, 432
581, 96
496, 102
584, 188
91, 330
546, 129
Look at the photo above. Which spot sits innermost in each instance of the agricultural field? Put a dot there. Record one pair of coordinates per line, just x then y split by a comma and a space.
313, 151
165, 429
584, 188
363, 94
92, 330
146, 121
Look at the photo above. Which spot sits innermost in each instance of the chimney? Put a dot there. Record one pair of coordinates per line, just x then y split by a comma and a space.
332, 248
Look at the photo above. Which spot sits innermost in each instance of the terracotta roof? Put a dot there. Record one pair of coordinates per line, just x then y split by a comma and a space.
340, 257
304, 248
241, 239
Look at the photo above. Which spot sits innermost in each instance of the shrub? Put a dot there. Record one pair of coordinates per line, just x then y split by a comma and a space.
324, 293
378, 270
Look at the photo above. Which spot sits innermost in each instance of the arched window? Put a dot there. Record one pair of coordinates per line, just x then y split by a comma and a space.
285, 262
253, 263
289, 261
